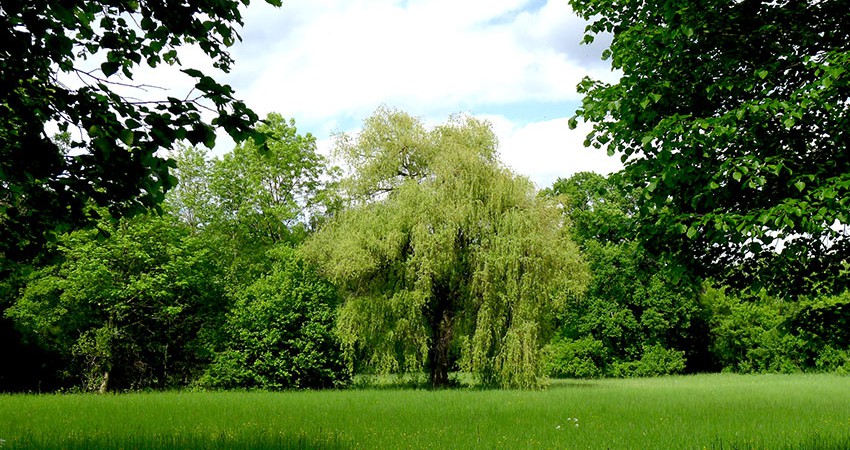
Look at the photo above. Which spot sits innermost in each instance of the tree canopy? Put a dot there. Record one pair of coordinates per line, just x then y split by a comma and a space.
209, 293
252, 199
444, 255
69, 66
127, 311
733, 118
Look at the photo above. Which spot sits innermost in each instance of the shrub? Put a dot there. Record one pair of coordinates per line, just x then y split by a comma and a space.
656, 361
581, 358
833, 360
751, 334
279, 334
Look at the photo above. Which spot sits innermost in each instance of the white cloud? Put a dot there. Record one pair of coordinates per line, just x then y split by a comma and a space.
548, 150
342, 58
330, 63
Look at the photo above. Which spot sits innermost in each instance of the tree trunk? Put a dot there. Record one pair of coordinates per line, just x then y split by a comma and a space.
104, 384
439, 351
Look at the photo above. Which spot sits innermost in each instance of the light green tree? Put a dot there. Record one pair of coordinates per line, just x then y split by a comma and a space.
270, 194
444, 256
252, 199
190, 200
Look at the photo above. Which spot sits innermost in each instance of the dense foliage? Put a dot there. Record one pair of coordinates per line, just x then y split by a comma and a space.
732, 118
152, 301
279, 334
253, 199
636, 317
266, 271
127, 311
71, 65
760, 333
723, 245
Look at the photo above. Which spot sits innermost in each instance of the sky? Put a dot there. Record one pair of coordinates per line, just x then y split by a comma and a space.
329, 64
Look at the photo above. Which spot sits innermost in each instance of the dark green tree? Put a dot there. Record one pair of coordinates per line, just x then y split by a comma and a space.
279, 333
70, 64
733, 118
636, 317
129, 311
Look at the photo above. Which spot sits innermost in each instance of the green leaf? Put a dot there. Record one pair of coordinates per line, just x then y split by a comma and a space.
762, 73
800, 185
195, 73
126, 136
692, 232
109, 68
652, 186
737, 176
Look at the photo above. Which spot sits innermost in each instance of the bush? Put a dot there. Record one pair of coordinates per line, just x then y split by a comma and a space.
279, 334
582, 358
751, 334
833, 360
656, 361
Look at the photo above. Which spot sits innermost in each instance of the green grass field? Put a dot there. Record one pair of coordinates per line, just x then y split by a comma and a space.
705, 411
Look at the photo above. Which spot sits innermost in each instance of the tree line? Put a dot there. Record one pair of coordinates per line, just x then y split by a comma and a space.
270, 269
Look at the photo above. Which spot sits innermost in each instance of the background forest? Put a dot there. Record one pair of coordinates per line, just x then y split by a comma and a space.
274, 270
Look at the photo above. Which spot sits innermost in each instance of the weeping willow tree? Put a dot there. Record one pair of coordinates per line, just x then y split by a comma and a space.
445, 258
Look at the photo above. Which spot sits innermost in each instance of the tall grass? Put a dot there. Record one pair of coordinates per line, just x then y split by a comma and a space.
705, 411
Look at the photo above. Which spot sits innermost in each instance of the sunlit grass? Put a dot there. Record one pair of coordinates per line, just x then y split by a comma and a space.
706, 411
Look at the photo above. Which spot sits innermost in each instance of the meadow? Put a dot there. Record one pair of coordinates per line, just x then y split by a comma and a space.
717, 411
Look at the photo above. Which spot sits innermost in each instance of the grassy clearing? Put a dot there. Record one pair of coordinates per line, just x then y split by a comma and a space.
705, 411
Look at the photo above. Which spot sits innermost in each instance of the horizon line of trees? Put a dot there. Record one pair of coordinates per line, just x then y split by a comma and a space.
269, 270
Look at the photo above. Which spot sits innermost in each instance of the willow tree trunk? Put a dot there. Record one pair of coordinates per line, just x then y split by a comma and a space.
438, 354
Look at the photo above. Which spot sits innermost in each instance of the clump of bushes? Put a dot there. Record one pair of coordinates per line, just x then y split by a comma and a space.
743, 333
279, 334
589, 358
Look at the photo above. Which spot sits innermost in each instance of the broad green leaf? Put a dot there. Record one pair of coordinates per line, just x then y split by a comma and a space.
126, 136
109, 68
